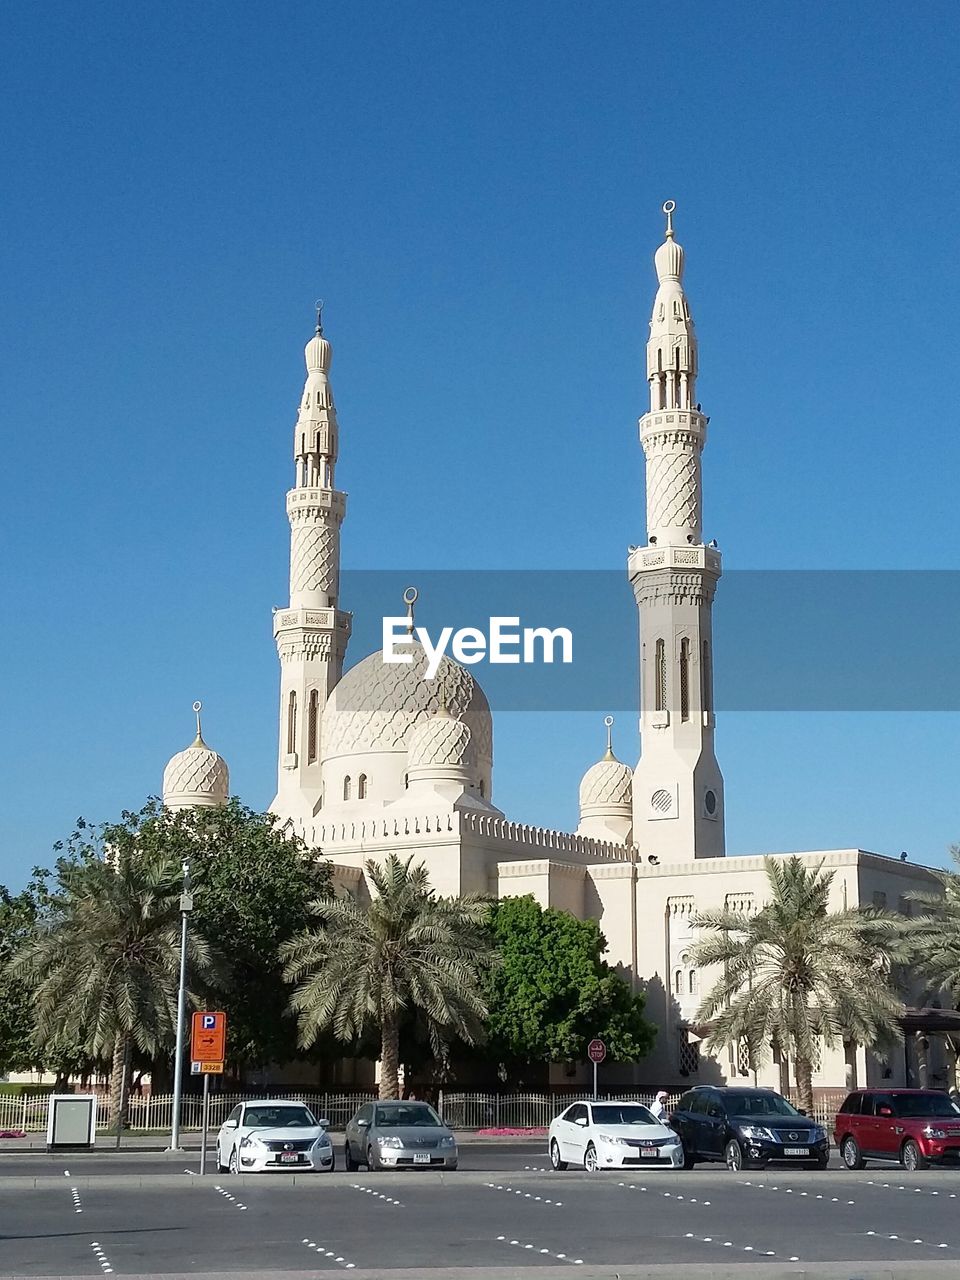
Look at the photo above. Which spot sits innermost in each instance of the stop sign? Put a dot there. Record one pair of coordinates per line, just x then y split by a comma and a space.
596, 1051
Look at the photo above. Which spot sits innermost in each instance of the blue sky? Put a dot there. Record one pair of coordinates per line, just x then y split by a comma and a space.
475, 191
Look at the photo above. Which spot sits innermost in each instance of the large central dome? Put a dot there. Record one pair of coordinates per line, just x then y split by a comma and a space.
370, 715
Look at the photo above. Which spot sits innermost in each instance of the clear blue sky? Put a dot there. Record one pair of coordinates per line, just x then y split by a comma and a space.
475, 190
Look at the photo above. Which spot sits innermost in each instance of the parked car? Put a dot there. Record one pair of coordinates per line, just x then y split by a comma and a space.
398, 1135
915, 1126
747, 1128
612, 1135
272, 1135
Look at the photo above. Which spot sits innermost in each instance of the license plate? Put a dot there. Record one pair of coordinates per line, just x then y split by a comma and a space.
796, 1151
289, 1157
421, 1157
649, 1151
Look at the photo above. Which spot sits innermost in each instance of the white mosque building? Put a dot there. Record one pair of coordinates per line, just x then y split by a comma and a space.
377, 760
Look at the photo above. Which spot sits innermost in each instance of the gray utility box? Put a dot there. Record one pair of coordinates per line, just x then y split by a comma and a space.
71, 1121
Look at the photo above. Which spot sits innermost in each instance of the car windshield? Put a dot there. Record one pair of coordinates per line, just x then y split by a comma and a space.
608, 1114
759, 1104
924, 1104
279, 1118
408, 1115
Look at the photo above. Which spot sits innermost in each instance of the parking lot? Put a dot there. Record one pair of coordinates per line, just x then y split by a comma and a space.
136, 1217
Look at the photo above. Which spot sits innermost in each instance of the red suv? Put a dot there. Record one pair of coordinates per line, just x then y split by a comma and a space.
914, 1126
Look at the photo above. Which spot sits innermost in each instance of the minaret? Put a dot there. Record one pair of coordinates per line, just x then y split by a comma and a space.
677, 787
312, 633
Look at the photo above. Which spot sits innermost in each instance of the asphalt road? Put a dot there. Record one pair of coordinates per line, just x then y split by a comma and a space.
879, 1223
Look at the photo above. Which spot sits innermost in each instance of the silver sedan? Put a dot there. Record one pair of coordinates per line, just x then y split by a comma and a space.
399, 1135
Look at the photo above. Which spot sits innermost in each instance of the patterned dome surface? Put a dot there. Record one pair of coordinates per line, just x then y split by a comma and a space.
377, 704
198, 776
441, 740
606, 784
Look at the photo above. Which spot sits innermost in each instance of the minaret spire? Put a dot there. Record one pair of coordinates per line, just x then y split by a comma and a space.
677, 788
312, 633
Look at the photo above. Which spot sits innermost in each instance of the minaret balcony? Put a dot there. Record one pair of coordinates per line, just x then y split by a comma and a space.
312, 498
673, 420
299, 620
656, 559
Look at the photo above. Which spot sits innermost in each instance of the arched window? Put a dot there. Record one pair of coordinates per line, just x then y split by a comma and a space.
678, 982
313, 716
482, 790
292, 722
692, 982
346, 787
362, 787
684, 679
706, 678
660, 675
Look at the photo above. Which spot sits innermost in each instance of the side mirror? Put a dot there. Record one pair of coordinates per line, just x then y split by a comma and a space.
581, 1120
884, 1111
324, 1123
362, 1124
230, 1124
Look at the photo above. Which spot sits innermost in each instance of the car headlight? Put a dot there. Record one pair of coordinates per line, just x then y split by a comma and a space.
818, 1133
390, 1140
931, 1132
449, 1141
323, 1140
757, 1132
251, 1140
614, 1142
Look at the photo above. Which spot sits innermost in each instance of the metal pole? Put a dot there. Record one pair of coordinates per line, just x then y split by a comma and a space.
206, 1118
594, 1079
186, 905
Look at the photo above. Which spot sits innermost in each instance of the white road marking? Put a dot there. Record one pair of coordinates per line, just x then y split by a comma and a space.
101, 1257
377, 1195
729, 1244
521, 1244
496, 1186
77, 1203
328, 1253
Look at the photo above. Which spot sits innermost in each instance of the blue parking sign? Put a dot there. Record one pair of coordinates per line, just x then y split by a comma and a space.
209, 1021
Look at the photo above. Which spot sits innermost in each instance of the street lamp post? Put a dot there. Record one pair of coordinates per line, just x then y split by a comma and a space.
186, 906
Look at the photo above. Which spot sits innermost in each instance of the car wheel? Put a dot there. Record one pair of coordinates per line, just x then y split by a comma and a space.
688, 1161
912, 1157
590, 1161
555, 1161
850, 1153
348, 1161
822, 1162
333, 1163
373, 1164
234, 1165
733, 1156
453, 1167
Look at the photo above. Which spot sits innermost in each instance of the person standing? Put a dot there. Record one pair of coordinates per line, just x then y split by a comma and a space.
659, 1107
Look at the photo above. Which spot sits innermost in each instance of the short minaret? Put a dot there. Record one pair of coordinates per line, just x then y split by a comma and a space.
312, 633
677, 787
605, 797
196, 778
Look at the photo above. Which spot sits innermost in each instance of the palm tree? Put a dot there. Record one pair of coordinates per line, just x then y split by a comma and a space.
363, 968
934, 936
796, 970
103, 961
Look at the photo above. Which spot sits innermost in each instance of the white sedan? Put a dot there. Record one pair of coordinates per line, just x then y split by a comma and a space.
273, 1135
612, 1135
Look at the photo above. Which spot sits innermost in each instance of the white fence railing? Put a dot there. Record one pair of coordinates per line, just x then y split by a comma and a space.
459, 1110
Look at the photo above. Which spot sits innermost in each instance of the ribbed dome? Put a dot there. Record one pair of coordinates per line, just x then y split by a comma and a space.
607, 785
377, 704
196, 778
440, 741
318, 354
669, 260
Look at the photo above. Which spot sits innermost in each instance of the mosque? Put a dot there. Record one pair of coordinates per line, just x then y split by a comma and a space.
377, 760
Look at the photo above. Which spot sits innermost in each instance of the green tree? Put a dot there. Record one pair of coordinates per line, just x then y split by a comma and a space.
18, 918
364, 968
933, 937
103, 960
253, 884
796, 970
553, 991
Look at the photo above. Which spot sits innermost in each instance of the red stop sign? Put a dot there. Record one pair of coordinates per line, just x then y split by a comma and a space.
596, 1051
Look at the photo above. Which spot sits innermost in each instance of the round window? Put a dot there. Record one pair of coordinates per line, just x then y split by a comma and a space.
661, 801
710, 802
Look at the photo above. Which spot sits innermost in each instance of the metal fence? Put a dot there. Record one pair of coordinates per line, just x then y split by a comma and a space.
459, 1110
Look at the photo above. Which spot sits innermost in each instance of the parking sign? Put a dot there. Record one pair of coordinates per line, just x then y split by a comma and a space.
208, 1037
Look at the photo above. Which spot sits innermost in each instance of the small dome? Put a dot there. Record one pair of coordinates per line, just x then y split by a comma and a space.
318, 354
440, 741
669, 260
607, 785
197, 777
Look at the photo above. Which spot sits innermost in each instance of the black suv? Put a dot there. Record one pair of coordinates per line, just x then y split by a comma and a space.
746, 1128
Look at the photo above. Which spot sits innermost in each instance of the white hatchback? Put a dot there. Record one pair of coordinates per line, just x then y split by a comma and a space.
612, 1135
273, 1135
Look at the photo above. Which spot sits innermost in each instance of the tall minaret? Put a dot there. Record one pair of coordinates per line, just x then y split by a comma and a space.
677, 787
312, 633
